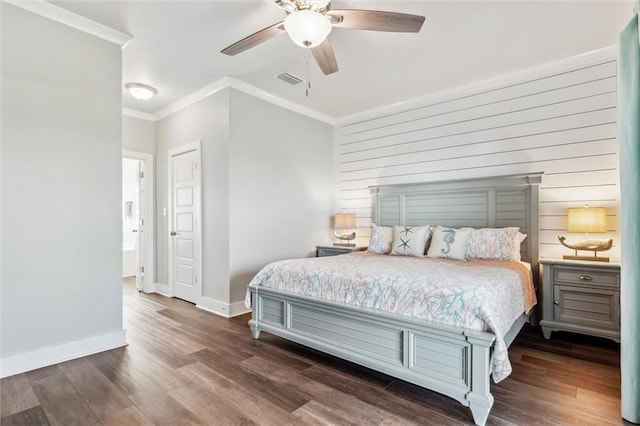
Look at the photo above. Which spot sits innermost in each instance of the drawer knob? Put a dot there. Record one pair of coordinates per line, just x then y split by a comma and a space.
585, 277
555, 302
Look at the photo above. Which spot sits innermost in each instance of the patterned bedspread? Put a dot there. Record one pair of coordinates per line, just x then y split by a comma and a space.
479, 295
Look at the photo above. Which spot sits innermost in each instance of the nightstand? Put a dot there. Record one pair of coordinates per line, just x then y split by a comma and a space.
322, 251
581, 297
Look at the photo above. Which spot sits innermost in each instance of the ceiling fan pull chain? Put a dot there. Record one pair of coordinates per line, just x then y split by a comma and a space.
308, 76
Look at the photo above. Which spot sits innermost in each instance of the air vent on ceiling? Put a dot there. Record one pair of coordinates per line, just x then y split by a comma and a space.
288, 78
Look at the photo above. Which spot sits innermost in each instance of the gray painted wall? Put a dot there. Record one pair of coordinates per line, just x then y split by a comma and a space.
61, 183
138, 135
208, 121
267, 186
281, 186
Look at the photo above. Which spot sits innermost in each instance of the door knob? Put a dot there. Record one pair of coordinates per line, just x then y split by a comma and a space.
134, 230
174, 233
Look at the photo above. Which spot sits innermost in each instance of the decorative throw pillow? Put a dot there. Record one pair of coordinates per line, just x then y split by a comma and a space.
449, 243
381, 239
409, 240
493, 244
520, 237
429, 236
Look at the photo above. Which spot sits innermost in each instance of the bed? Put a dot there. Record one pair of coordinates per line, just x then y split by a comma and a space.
452, 360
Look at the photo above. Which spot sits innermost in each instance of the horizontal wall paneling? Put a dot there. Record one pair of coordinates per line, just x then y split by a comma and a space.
562, 123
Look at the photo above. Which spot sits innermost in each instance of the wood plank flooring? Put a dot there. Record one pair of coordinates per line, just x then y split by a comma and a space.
184, 366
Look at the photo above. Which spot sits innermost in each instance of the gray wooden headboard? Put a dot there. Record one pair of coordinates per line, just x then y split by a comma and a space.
493, 202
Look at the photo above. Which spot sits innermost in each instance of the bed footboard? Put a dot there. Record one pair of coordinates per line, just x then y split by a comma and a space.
450, 360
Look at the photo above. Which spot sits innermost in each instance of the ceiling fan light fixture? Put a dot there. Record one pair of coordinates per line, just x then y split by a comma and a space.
141, 91
306, 28
318, 4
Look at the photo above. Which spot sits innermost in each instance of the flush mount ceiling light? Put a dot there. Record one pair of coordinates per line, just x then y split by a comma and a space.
141, 91
306, 28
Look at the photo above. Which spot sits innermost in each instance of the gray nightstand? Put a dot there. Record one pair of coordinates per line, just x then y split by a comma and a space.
322, 251
582, 297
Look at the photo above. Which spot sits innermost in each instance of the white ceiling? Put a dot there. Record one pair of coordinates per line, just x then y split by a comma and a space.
176, 47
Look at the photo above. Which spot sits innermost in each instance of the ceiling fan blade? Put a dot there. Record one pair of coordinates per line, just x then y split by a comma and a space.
287, 5
255, 39
325, 58
376, 20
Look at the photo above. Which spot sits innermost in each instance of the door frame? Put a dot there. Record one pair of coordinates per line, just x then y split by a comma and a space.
149, 250
195, 146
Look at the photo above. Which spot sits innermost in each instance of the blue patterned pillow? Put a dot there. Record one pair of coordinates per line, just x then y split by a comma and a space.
381, 239
449, 243
409, 240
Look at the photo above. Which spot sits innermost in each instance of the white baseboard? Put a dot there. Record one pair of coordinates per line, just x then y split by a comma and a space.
50, 355
149, 287
208, 304
163, 289
238, 308
221, 308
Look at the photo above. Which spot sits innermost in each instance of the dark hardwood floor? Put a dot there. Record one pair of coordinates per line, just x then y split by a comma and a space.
185, 366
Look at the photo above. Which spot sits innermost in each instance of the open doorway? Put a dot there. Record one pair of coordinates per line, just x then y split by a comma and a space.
137, 220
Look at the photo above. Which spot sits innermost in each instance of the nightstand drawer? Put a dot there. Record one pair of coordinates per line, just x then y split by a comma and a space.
327, 251
322, 251
585, 277
584, 306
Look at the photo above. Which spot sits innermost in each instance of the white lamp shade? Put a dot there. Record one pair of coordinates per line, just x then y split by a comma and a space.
345, 221
306, 28
141, 91
587, 219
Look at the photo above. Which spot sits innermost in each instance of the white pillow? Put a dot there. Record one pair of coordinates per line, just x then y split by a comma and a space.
381, 239
520, 237
409, 240
493, 244
449, 243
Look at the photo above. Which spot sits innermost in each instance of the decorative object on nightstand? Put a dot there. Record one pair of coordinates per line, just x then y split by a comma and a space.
587, 219
334, 250
581, 297
344, 222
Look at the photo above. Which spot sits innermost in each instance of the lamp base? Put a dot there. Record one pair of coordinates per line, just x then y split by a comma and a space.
589, 258
591, 245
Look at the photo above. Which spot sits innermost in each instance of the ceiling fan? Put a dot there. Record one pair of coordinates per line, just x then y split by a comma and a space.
309, 22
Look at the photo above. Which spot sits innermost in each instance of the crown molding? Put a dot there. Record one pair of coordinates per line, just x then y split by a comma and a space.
276, 100
138, 114
566, 64
234, 83
191, 99
63, 16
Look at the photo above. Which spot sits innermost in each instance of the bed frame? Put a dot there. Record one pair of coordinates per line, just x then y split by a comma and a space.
453, 361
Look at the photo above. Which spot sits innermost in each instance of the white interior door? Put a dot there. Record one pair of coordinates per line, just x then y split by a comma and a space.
142, 219
139, 218
185, 234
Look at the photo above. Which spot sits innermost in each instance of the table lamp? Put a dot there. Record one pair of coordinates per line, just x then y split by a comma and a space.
588, 220
344, 222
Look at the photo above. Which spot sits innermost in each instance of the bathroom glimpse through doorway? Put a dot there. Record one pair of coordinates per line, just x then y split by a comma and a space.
137, 220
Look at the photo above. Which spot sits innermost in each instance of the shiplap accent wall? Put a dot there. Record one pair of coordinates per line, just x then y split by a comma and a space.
562, 123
